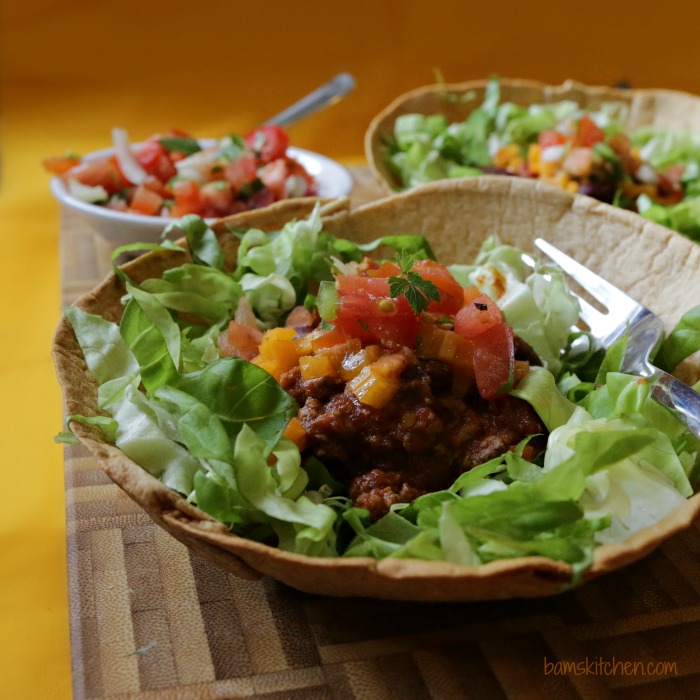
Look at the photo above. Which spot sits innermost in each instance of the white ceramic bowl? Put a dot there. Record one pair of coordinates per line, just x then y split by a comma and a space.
121, 228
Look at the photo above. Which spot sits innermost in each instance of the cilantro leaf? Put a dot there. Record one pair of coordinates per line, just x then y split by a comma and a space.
418, 291
181, 144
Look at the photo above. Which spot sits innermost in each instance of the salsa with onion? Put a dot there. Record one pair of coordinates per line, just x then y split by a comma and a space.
173, 174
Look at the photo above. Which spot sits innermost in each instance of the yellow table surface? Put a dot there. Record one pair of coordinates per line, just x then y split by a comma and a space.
73, 70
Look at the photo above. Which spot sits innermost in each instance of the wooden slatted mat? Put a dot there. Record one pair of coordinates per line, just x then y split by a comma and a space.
149, 619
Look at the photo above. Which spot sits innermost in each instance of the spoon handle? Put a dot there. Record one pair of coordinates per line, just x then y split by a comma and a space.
329, 92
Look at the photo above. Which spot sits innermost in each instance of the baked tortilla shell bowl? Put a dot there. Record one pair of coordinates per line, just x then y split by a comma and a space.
669, 109
657, 266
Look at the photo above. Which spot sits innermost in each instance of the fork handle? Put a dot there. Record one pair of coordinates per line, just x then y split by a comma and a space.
679, 397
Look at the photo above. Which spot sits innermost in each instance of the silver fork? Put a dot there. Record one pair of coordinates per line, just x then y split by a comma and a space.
645, 329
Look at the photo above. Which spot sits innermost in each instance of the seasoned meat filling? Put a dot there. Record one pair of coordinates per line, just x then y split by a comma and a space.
420, 442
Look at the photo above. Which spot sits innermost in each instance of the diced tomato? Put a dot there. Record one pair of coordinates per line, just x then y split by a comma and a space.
376, 286
494, 361
241, 172
389, 322
153, 158
188, 199
240, 340
451, 292
178, 133
301, 319
589, 133
386, 269
274, 177
60, 164
155, 184
146, 201
268, 143
578, 162
217, 198
551, 138
100, 171
477, 316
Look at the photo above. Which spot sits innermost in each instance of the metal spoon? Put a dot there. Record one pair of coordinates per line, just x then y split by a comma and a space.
327, 94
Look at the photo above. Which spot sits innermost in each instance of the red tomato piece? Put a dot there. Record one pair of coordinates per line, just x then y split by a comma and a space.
217, 198
241, 340
494, 361
274, 177
146, 201
375, 286
551, 138
154, 159
589, 133
477, 316
389, 322
268, 143
100, 172
451, 292
386, 269
57, 165
578, 162
241, 172
188, 199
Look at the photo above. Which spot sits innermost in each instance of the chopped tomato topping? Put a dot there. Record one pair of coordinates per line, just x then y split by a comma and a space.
187, 198
268, 143
259, 175
589, 133
146, 201
451, 292
477, 316
99, 172
551, 138
60, 164
494, 361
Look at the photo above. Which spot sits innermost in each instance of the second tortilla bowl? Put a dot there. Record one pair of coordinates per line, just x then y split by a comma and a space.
660, 269
635, 148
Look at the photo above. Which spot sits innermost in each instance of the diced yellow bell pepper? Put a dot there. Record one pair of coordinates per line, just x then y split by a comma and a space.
377, 383
354, 363
278, 352
316, 366
296, 433
373, 389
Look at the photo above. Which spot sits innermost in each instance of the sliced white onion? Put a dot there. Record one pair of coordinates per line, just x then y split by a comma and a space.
295, 186
87, 193
193, 167
133, 172
646, 174
552, 154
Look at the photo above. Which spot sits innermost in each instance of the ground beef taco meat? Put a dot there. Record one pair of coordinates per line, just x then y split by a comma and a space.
418, 443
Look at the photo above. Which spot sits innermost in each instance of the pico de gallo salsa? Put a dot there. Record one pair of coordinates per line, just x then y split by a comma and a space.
173, 174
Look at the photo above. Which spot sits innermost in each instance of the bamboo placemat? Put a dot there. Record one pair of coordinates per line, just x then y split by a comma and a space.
151, 620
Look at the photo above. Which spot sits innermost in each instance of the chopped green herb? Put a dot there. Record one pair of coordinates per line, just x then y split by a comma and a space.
418, 291
180, 144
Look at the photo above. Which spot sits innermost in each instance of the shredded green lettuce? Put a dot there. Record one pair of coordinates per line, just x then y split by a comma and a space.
212, 428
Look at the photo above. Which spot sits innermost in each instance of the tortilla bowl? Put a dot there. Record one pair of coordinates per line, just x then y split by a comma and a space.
665, 108
661, 269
